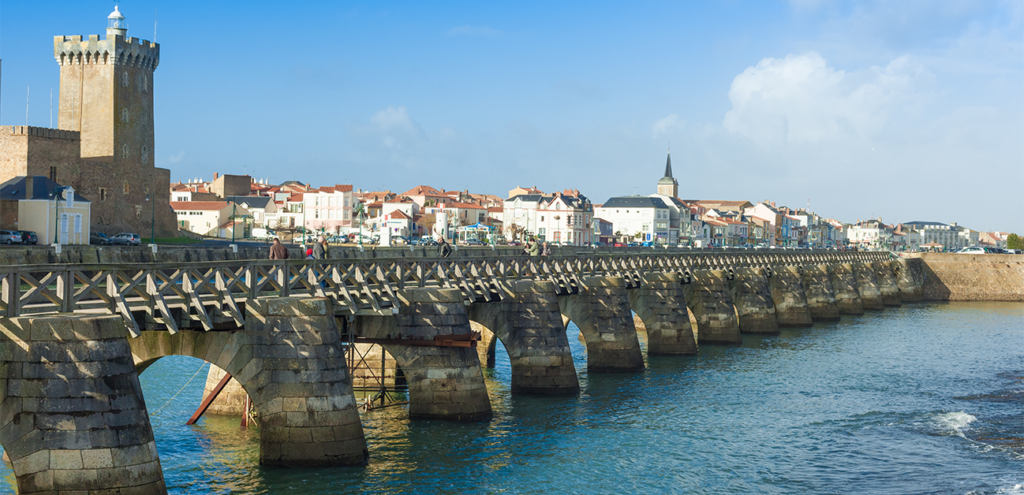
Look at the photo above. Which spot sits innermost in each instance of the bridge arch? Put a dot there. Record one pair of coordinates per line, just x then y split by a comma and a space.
601, 311
660, 304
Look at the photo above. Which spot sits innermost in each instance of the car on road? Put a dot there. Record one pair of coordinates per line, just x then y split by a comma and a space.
972, 250
10, 237
126, 239
475, 242
98, 239
32, 238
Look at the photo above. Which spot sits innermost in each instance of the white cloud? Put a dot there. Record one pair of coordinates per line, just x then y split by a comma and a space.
177, 158
801, 99
666, 124
473, 31
395, 127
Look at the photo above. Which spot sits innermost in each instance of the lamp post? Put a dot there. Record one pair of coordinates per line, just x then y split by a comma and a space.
233, 222
152, 218
56, 214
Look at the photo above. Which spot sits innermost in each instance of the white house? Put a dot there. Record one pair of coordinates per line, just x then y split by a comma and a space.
565, 219
209, 218
641, 217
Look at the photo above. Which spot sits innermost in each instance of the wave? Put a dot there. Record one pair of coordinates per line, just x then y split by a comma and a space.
953, 423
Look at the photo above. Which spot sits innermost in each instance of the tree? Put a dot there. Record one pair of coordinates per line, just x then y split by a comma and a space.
427, 222
517, 231
1014, 241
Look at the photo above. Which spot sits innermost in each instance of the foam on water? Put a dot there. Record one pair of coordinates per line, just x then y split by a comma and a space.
953, 423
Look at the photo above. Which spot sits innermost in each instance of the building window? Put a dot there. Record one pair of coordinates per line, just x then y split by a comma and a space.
145, 154
53, 174
103, 194
145, 83
124, 79
124, 151
124, 115
125, 187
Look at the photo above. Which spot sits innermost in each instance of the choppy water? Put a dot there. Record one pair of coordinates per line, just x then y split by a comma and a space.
926, 398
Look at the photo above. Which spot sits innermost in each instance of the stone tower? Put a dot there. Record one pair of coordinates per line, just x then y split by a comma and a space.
106, 94
667, 185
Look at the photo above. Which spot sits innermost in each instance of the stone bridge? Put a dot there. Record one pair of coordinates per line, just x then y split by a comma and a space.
76, 336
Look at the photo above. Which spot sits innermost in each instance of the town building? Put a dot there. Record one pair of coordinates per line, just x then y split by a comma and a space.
329, 208
565, 219
640, 218
104, 144
263, 209
54, 212
210, 218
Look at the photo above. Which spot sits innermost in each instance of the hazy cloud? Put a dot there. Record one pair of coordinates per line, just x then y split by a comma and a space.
666, 124
395, 127
802, 99
177, 158
473, 31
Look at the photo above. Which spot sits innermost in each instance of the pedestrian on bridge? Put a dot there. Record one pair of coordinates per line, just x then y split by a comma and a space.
278, 251
320, 248
545, 250
443, 248
534, 248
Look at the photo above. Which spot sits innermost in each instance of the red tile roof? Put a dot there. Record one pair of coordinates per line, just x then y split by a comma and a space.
422, 191
398, 215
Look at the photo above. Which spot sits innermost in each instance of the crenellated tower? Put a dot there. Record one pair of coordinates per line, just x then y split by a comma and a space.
106, 92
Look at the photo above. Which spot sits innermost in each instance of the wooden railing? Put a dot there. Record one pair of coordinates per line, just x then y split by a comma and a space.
208, 294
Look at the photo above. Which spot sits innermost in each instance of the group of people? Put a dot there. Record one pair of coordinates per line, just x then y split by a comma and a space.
536, 248
319, 250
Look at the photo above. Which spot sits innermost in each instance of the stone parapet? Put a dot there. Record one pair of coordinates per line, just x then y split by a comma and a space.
887, 283
601, 311
753, 300
789, 297
444, 382
709, 299
529, 325
821, 297
867, 286
72, 417
660, 303
844, 285
972, 277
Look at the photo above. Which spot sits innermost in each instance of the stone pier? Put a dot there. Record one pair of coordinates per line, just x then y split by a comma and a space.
661, 306
444, 382
844, 285
529, 324
821, 297
72, 416
909, 279
230, 401
867, 286
887, 283
753, 300
709, 299
789, 297
601, 311
290, 362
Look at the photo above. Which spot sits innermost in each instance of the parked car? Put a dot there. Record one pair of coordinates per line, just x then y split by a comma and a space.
98, 239
10, 237
972, 250
32, 238
126, 239
475, 242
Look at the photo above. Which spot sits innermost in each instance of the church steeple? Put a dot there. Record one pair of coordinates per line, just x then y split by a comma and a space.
668, 186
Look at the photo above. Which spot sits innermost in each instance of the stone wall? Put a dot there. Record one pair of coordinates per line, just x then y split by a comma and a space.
601, 311
973, 277
709, 298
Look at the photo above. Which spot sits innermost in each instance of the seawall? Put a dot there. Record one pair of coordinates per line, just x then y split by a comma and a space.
972, 277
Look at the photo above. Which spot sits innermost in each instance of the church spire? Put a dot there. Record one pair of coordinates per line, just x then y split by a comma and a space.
668, 165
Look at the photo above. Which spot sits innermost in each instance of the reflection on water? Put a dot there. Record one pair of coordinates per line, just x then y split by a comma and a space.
923, 398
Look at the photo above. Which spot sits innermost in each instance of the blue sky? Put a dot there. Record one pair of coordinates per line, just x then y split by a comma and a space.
909, 110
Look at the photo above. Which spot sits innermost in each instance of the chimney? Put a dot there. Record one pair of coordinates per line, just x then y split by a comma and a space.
773, 204
215, 175
28, 186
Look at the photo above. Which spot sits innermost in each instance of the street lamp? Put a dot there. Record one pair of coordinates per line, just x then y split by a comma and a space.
233, 222
152, 219
56, 213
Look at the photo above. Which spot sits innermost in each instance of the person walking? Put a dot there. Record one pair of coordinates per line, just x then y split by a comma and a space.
534, 248
545, 250
320, 248
278, 251
443, 248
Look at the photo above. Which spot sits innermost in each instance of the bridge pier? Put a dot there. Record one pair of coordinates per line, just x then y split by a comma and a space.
661, 306
909, 279
709, 299
887, 283
844, 284
72, 416
444, 382
529, 324
867, 286
789, 297
821, 298
601, 311
753, 301
289, 360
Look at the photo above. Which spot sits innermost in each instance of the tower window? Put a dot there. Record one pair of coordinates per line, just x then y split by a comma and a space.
145, 154
124, 115
53, 174
103, 194
124, 79
124, 151
145, 83
126, 189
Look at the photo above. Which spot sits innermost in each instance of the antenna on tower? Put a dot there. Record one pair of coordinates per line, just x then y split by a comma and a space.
156, 21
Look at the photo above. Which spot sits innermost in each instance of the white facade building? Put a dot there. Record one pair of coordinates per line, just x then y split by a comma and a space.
643, 218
